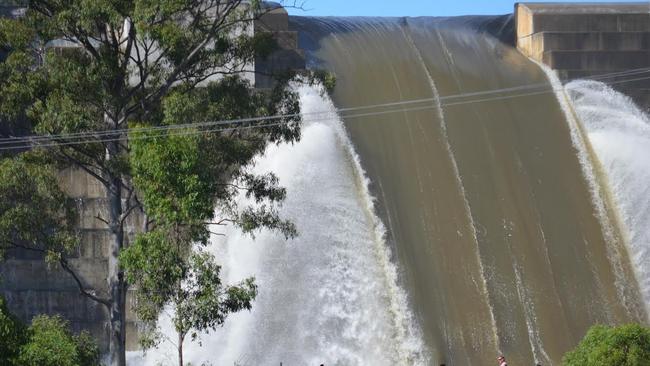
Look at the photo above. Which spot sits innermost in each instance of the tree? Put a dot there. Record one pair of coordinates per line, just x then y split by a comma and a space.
46, 342
627, 345
50, 343
198, 299
91, 76
178, 176
12, 335
35, 214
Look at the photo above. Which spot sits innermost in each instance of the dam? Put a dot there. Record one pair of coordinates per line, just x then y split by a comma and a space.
456, 198
587, 40
469, 203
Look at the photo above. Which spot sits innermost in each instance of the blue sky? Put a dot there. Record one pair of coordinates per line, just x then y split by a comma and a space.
409, 7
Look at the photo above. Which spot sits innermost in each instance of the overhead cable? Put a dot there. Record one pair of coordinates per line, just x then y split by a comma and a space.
540, 87
448, 100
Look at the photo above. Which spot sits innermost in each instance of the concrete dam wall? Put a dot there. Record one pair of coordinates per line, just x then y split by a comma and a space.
588, 40
576, 40
33, 287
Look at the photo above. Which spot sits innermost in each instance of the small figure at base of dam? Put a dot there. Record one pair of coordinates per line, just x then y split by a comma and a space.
502, 361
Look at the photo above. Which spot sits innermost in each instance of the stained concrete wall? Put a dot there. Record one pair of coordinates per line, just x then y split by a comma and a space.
589, 40
32, 287
287, 57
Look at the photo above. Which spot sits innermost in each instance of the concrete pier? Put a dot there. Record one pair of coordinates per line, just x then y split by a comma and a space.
31, 286
287, 56
585, 40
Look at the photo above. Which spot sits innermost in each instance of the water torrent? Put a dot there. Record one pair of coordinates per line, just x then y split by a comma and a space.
620, 135
502, 223
486, 202
330, 296
606, 210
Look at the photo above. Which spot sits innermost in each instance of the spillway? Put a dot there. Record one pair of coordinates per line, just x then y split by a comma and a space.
620, 135
332, 295
478, 208
486, 200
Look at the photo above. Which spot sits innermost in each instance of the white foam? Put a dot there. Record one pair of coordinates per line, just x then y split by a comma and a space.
331, 296
620, 135
598, 187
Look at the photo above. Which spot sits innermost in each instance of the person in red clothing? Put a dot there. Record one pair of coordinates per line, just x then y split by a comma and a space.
502, 361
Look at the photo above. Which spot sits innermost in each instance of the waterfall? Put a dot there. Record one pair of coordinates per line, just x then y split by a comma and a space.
501, 224
497, 222
332, 295
620, 135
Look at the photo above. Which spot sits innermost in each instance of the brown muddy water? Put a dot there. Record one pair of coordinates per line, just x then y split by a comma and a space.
491, 219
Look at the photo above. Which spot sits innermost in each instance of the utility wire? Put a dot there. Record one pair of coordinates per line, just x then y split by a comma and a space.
215, 129
331, 115
190, 132
449, 100
541, 87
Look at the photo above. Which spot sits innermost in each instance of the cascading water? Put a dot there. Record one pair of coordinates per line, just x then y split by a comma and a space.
605, 208
619, 133
506, 236
485, 199
331, 296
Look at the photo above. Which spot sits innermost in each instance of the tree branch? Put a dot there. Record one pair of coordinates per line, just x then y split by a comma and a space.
131, 197
173, 76
102, 220
84, 167
66, 266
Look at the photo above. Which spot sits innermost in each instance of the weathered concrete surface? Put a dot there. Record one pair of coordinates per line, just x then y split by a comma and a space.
287, 57
32, 286
589, 40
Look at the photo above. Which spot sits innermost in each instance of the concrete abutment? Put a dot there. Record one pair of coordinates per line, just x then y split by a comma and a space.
589, 40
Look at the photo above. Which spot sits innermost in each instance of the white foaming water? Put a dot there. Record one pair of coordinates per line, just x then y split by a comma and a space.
331, 296
620, 135
598, 193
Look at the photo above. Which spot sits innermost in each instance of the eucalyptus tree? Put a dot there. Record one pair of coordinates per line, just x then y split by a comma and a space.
94, 78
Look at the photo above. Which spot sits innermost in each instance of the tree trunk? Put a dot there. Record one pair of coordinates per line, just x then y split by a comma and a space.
180, 349
116, 283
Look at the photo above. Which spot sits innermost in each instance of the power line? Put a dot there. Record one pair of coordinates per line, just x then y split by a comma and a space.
191, 132
541, 86
449, 100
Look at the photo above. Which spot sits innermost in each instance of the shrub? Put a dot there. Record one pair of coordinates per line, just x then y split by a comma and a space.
627, 345
50, 343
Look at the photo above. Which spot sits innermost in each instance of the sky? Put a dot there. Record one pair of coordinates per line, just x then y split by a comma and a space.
409, 7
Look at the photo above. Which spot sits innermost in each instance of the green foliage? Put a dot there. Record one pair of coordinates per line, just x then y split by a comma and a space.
115, 71
47, 342
157, 265
87, 350
324, 77
164, 270
627, 345
12, 336
184, 173
173, 177
34, 212
50, 343
202, 302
